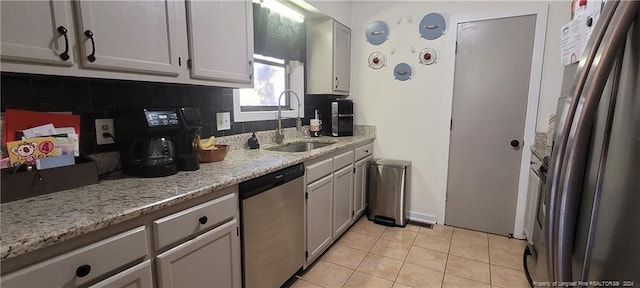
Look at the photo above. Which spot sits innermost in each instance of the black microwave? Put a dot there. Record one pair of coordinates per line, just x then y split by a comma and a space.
342, 118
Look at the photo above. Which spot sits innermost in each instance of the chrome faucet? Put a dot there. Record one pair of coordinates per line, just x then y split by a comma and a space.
279, 135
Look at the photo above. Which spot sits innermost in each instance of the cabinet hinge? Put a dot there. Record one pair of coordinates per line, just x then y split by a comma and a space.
189, 63
179, 61
306, 195
306, 254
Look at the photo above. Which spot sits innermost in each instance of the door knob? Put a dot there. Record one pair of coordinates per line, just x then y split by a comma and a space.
515, 143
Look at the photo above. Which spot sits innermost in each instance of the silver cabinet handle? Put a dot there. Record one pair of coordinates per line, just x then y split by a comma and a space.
337, 82
250, 70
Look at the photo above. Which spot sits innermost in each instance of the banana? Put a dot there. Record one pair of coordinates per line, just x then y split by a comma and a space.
210, 141
207, 144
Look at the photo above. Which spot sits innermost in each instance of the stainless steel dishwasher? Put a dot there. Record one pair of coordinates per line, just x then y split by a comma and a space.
272, 216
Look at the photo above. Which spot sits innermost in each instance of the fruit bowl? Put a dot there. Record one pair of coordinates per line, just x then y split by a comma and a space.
214, 155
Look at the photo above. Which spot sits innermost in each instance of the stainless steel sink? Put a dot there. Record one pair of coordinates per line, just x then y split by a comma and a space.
299, 146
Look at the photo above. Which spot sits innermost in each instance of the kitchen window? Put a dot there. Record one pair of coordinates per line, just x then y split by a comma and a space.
280, 50
271, 77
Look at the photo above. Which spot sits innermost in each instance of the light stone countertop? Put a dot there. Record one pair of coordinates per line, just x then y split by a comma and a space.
38, 222
540, 148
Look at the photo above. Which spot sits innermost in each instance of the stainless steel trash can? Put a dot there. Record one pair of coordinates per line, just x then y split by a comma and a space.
388, 193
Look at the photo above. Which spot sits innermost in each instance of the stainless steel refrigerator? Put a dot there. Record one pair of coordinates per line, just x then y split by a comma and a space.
591, 231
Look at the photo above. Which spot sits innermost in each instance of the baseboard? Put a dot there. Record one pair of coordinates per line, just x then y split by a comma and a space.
422, 218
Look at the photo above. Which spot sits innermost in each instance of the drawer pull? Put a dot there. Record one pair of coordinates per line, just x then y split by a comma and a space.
83, 271
366, 151
203, 220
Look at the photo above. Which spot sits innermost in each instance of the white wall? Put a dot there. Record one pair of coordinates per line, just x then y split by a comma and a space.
339, 10
412, 117
552, 68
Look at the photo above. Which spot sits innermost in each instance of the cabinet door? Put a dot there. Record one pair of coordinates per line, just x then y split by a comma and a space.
129, 36
221, 40
319, 214
532, 203
360, 186
138, 276
341, 57
30, 31
342, 200
212, 258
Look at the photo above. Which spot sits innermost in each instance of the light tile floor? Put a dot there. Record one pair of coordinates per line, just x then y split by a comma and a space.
371, 255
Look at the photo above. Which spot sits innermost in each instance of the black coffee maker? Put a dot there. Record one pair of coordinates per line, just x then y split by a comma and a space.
187, 153
145, 141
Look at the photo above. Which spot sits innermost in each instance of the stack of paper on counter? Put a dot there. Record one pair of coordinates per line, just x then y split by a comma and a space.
45, 146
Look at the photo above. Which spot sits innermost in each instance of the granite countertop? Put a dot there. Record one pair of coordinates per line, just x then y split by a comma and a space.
540, 148
37, 222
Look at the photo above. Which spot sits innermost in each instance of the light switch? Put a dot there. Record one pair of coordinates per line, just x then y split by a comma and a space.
223, 121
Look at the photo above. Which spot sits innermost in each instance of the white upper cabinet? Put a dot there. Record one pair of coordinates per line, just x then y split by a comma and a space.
220, 37
328, 57
341, 57
129, 36
34, 31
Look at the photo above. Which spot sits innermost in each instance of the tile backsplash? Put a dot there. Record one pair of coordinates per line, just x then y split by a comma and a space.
99, 98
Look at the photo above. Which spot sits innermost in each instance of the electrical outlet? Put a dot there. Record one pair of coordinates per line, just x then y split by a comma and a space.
102, 126
223, 121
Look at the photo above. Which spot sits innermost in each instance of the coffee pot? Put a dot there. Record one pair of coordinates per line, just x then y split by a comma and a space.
145, 139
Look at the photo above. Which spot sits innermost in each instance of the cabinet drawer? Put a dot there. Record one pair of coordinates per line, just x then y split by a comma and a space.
190, 221
343, 160
318, 170
83, 265
364, 151
138, 276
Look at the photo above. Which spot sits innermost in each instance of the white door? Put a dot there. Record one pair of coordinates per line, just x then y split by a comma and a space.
138, 276
491, 86
221, 40
341, 57
342, 200
319, 216
212, 258
34, 31
143, 39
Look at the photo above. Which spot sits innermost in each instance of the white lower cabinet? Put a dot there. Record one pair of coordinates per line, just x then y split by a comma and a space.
359, 186
342, 200
84, 265
319, 197
335, 192
209, 260
138, 276
198, 246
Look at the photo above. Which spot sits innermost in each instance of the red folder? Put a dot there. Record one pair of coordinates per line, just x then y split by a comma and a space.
16, 120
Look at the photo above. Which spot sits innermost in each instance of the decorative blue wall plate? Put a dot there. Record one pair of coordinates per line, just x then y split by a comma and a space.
432, 26
402, 72
377, 32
